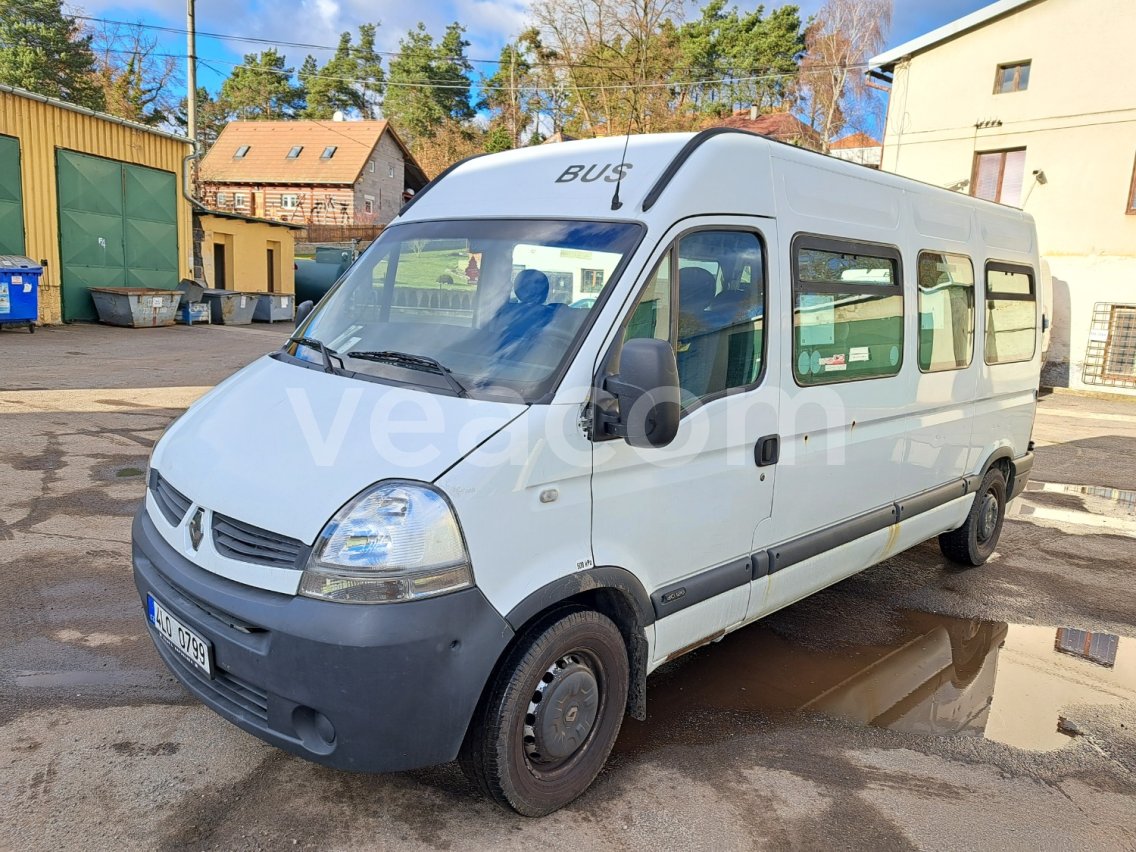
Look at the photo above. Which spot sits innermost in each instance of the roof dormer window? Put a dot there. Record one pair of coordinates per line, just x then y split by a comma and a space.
328, 152
241, 151
294, 152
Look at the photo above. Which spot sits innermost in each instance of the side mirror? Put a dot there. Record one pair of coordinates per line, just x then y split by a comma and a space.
646, 388
302, 311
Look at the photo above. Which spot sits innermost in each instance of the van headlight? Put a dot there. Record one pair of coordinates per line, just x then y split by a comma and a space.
396, 541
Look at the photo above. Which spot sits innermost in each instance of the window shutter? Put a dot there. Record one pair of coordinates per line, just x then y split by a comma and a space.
1012, 177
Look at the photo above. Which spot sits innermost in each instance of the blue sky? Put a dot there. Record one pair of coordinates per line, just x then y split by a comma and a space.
489, 23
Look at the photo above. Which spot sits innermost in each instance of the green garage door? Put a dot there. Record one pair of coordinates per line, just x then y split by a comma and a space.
117, 228
11, 198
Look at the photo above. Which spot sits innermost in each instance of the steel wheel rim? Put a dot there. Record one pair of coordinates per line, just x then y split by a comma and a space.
987, 516
559, 690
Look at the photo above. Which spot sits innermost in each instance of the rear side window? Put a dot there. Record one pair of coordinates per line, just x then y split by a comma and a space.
847, 311
946, 311
1011, 313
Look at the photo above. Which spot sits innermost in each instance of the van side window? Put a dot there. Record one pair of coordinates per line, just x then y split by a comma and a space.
707, 297
946, 311
847, 311
652, 314
1011, 313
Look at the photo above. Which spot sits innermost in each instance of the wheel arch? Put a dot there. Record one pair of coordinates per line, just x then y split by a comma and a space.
1003, 459
612, 591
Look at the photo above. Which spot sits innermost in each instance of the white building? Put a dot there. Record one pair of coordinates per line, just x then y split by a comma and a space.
1033, 103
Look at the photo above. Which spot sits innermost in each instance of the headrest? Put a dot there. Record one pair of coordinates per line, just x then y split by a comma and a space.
531, 287
696, 287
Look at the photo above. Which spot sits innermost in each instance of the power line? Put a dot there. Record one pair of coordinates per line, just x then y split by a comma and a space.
388, 53
725, 81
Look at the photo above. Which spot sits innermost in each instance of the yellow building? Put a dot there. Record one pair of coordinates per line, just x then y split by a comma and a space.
97, 199
245, 253
1030, 103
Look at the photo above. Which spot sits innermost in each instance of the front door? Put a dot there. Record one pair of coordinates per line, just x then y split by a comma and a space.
682, 517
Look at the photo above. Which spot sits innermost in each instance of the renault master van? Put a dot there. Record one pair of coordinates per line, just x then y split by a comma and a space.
580, 410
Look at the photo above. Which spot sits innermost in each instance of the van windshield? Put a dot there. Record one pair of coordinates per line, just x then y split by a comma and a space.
497, 305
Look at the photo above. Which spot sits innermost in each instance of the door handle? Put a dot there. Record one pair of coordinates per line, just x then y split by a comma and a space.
767, 451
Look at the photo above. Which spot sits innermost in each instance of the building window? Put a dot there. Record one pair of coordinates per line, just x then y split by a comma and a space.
591, 280
294, 152
998, 176
328, 152
289, 201
1110, 357
221, 198
368, 205
847, 311
1132, 192
1011, 313
946, 311
390, 170
1012, 78
241, 151
371, 166
240, 199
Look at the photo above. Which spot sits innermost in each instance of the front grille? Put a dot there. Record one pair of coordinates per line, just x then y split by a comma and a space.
224, 685
171, 502
246, 543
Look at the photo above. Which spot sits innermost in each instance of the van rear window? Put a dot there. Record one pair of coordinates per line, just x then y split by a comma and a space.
847, 311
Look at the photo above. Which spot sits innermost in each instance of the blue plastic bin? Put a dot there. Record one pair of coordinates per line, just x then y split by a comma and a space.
19, 291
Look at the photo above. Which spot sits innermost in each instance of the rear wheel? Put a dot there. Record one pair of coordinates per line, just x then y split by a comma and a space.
548, 721
974, 542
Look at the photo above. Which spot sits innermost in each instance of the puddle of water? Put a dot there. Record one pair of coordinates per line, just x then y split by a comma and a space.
1010, 683
1096, 509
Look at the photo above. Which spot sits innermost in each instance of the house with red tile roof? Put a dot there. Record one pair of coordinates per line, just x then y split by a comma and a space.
310, 172
782, 126
858, 148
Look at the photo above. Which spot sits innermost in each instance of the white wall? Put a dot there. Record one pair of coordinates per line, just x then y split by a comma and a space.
1077, 122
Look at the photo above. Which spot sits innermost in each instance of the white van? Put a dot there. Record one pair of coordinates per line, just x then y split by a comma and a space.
457, 516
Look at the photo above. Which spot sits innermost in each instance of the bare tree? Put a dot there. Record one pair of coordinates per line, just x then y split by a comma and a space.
615, 58
842, 37
139, 83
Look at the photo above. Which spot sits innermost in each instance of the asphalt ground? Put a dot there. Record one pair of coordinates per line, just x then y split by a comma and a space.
912, 706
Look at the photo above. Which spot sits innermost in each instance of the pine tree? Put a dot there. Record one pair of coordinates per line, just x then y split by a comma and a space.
261, 88
46, 52
369, 70
331, 89
429, 83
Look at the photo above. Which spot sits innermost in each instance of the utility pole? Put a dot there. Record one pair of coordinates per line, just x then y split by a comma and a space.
191, 75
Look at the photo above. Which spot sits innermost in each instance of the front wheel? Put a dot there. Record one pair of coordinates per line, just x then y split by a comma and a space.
974, 542
551, 715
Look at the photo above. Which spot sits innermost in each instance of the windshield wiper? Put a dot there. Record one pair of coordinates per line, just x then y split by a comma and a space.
326, 351
413, 362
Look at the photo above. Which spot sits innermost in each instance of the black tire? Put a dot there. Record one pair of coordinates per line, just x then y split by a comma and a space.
31, 328
537, 762
974, 542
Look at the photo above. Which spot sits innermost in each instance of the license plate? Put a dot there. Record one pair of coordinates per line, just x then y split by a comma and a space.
187, 643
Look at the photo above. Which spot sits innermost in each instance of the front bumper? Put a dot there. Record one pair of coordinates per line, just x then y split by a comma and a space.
375, 688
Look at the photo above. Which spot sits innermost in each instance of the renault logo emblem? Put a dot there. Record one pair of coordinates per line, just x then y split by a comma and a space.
197, 528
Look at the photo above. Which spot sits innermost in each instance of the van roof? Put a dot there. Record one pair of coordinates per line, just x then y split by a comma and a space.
720, 170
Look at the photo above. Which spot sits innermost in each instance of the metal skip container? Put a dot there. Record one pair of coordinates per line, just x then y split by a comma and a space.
135, 307
230, 307
275, 307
